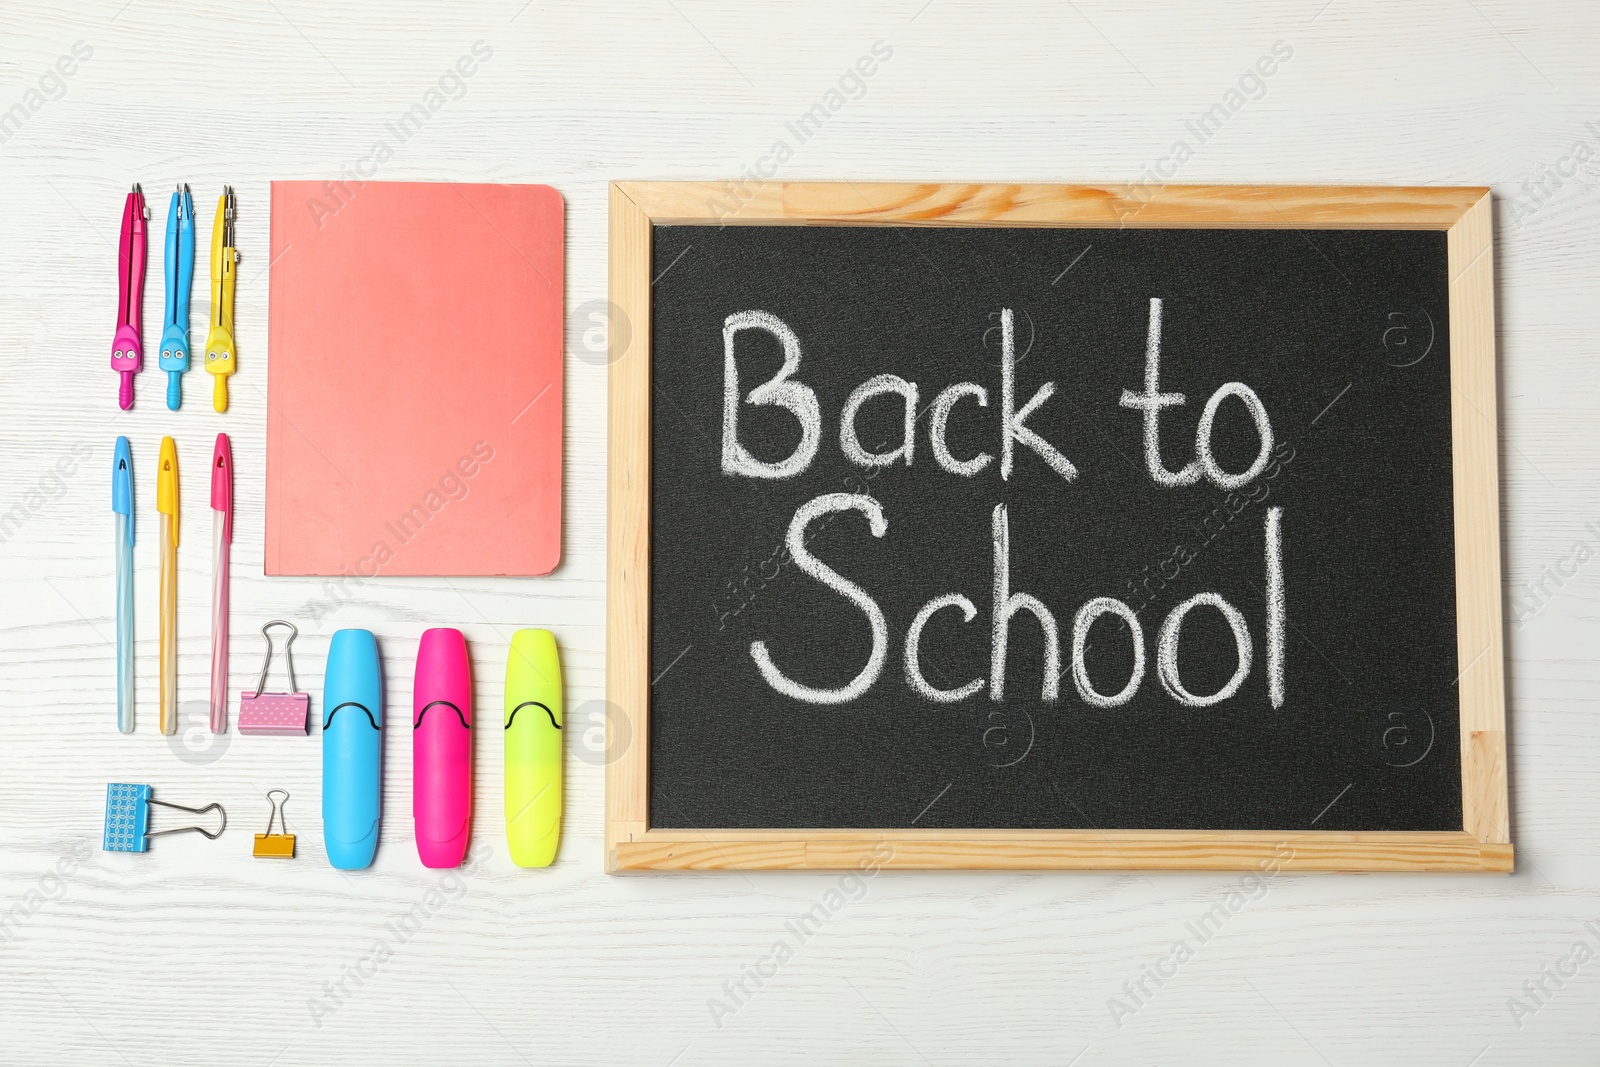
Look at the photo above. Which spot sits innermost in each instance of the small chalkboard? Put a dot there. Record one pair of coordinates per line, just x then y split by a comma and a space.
1044, 526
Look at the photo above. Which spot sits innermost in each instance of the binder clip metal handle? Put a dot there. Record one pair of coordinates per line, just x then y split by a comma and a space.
209, 836
288, 655
283, 714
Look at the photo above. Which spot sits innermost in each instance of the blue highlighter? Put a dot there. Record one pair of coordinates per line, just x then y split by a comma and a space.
352, 750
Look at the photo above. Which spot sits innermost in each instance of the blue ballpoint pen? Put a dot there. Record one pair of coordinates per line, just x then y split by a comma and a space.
180, 273
122, 505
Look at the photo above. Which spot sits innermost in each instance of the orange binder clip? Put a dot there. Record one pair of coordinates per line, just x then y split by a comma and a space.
278, 846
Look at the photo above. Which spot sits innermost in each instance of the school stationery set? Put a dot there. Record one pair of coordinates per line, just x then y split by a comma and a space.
414, 425
400, 327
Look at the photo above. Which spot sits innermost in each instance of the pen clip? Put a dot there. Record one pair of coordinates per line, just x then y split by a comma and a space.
222, 484
167, 484
122, 485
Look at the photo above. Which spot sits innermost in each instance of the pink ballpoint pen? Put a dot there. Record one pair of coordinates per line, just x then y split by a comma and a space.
221, 539
127, 348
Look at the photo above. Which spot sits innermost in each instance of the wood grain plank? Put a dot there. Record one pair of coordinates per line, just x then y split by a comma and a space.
947, 204
1142, 850
1475, 460
628, 527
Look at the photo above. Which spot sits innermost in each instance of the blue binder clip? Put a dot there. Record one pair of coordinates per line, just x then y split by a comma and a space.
128, 818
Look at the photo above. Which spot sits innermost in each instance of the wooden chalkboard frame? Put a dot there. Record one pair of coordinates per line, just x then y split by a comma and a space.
1484, 844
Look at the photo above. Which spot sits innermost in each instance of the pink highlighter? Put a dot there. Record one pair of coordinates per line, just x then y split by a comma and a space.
441, 749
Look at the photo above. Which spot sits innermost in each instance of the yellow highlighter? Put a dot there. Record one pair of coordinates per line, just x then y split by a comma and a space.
533, 748
224, 260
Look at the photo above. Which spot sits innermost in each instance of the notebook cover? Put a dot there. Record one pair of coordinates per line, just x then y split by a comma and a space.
414, 381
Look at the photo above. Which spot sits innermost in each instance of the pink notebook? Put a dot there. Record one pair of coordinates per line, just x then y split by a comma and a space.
414, 379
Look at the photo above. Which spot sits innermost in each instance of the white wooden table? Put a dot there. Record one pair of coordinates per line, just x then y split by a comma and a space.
198, 953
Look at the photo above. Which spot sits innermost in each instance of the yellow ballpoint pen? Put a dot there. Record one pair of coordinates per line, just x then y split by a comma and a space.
224, 260
167, 504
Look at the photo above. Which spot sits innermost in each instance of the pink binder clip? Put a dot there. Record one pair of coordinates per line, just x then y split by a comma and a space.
281, 714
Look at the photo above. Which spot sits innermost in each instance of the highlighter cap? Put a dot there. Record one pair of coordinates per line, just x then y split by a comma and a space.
443, 667
354, 672
167, 483
222, 484
533, 670
122, 480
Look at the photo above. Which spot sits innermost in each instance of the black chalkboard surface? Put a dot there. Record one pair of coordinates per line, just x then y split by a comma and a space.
1051, 528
